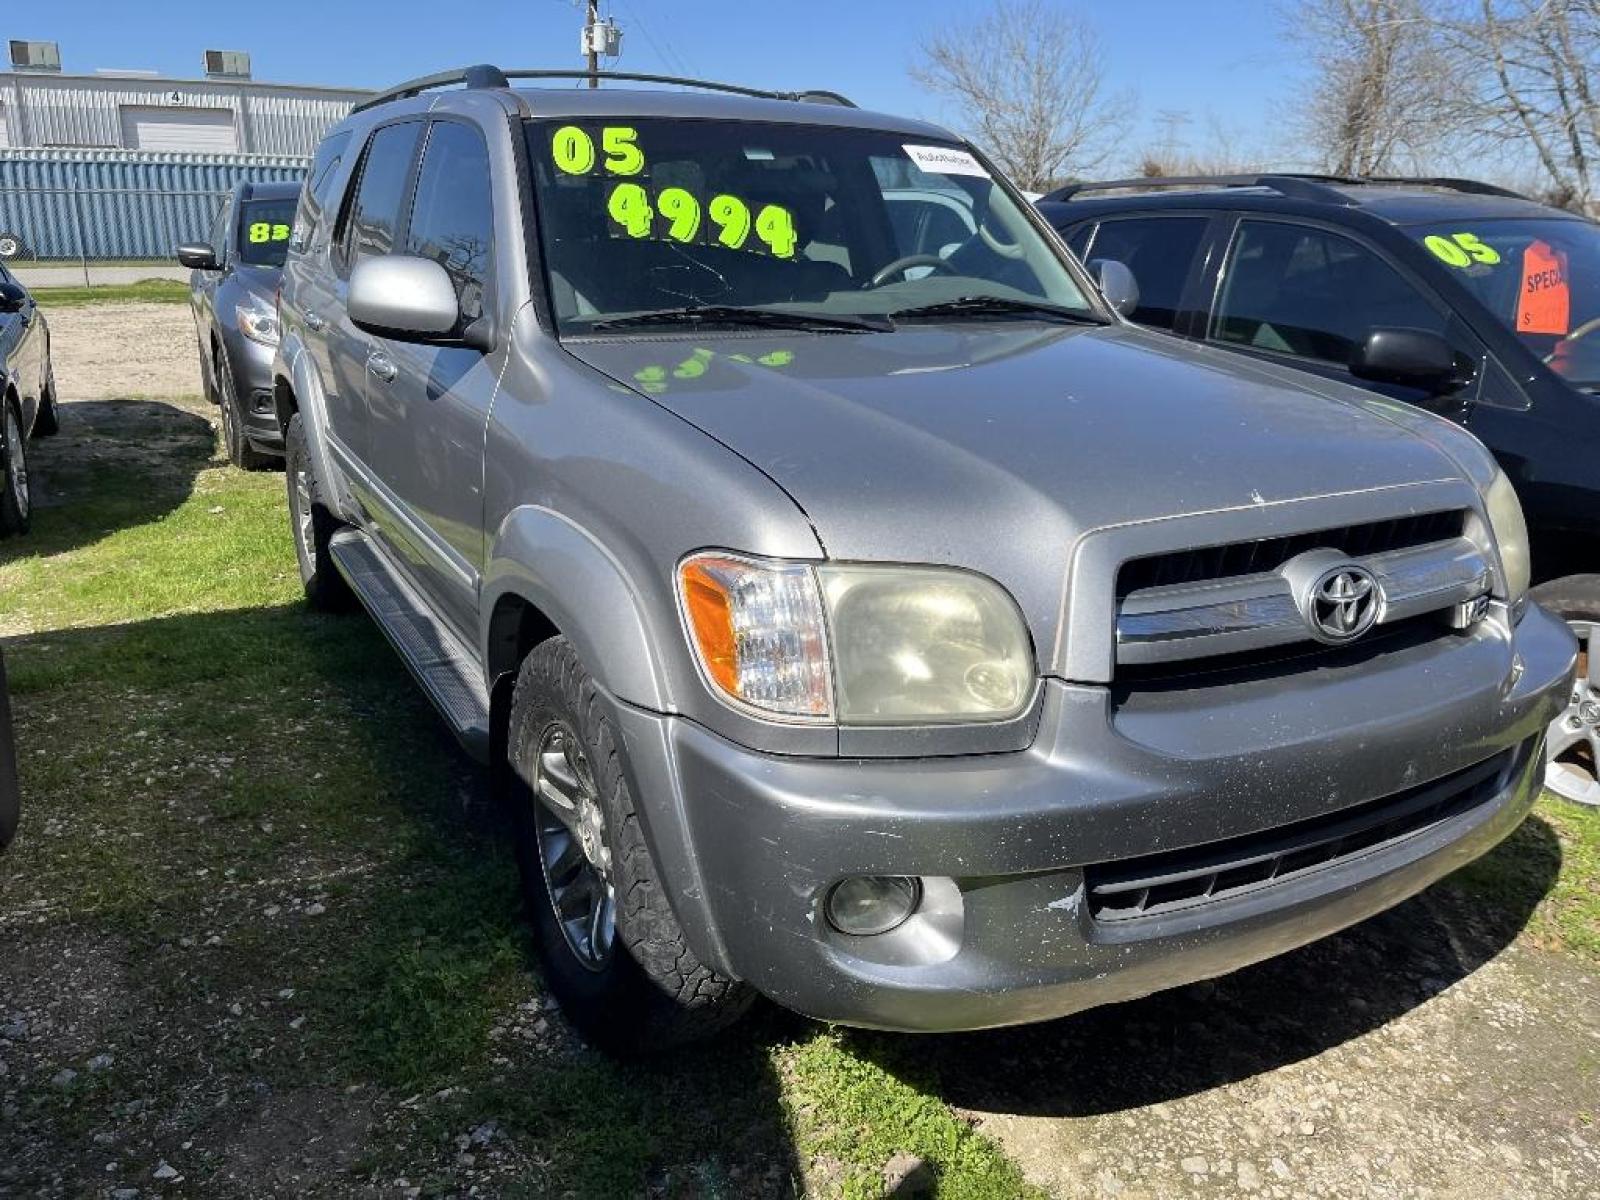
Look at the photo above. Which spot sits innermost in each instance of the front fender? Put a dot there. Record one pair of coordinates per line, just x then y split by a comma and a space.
295, 364
554, 564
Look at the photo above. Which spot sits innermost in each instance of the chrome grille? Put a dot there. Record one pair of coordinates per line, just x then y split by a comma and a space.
1268, 554
1230, 613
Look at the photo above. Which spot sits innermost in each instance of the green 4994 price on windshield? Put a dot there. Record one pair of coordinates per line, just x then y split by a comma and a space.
675, 214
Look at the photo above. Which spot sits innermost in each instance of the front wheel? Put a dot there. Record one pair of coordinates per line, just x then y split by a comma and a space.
612, 949
16, 496
1572, 747
234, 438
312, 525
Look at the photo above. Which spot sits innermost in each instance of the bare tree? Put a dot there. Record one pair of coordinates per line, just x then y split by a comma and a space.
1533, 67
1383, 94
1028, 80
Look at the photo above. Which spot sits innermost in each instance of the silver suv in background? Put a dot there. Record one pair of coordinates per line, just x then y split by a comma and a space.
865, 615
233, 291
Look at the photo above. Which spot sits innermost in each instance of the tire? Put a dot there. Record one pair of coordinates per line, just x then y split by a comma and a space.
47, 421
16, 490
644, 991
311, 524
234, 439
12, 246
1572, 747
208, 385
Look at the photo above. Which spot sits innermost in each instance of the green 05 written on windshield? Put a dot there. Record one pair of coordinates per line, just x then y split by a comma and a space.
662, 221
1541, 278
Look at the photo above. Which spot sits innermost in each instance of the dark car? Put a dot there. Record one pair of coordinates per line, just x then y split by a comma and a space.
10, 802
1459, 297
233, 291
27, 398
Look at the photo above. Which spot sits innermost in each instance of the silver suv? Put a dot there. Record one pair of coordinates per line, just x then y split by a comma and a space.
852, 607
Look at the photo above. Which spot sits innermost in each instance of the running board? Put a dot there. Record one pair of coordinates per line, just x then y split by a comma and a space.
442, 664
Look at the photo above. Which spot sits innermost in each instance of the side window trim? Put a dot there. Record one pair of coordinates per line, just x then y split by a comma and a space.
408, 207
1421, 286
1191, 316
340, 249
1456, 330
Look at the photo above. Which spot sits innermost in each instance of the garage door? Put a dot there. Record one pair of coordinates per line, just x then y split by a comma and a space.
196, 130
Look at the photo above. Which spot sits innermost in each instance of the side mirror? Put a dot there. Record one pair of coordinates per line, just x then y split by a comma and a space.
1411, 358
198, 256
1117, 284
13, 297
404, 297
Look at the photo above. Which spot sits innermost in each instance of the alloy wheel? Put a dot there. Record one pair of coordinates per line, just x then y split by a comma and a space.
18, 463
574, 853
302, 513
1572, 748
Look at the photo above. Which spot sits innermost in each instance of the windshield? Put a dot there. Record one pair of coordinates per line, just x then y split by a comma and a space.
1541, 278
818, 223
264, 231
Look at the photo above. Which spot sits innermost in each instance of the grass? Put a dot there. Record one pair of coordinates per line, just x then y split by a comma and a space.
243, 814
167, 291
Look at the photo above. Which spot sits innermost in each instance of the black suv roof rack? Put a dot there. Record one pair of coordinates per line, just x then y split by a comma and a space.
487, 76
1296, 185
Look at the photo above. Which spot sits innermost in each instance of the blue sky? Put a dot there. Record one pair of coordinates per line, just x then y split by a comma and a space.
1222, 62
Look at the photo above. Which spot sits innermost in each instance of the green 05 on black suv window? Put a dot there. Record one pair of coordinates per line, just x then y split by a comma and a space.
652, 217
1541, 278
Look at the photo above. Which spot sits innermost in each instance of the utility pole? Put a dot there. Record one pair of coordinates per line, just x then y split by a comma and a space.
600, 38
590, 27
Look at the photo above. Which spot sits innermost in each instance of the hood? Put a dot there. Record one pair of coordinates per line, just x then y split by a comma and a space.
996, 447
263, 281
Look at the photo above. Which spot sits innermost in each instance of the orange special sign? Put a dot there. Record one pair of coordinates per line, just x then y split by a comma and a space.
1544, 301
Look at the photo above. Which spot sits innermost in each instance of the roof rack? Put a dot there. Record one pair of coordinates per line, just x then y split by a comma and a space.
1300, 187
1296, 185
486, 76
1471, 187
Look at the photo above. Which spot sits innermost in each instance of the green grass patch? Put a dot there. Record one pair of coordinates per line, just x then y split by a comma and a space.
251, 808
168, 291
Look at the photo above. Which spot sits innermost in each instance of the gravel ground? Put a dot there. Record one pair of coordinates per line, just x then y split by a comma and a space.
108, 351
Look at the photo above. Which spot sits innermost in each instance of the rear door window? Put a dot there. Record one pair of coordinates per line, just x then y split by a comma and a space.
452, 218
1312, 293
1159, 251
374, 214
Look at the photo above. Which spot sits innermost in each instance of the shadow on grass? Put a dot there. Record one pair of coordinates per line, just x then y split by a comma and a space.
275, 759
114, 464
1277, 1012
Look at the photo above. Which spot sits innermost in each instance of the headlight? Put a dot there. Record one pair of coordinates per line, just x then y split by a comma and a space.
863, 645
258, 322
1510, 535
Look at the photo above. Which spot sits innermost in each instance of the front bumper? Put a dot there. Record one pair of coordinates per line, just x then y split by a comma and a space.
252, 380
1006, 934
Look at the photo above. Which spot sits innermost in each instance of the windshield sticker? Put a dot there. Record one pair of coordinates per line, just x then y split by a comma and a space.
725, 220
945, 160
1544, 302
573, 150
1462, 249
261, 232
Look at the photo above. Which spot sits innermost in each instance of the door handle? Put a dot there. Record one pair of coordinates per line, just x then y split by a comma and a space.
315, 323
381, 365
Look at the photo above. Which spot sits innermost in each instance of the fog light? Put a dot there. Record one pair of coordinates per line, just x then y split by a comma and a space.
869, 904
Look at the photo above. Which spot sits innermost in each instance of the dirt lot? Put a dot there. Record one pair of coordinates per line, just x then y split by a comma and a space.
259, 936
125, 349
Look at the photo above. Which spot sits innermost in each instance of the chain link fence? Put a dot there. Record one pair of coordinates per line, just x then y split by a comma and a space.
90, 236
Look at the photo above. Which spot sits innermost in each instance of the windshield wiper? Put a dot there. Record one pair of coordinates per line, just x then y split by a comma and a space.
734, 314
997, 306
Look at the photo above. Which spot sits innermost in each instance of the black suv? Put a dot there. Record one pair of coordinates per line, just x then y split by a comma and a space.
1456, 296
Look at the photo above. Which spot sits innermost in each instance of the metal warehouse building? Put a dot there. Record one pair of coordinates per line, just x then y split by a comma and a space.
225, 113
